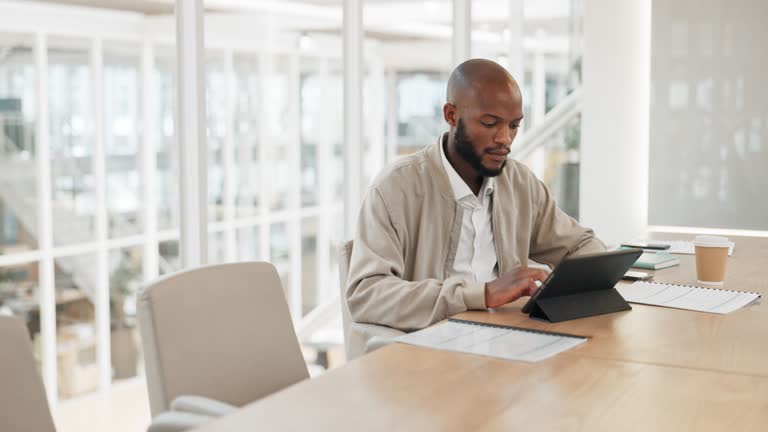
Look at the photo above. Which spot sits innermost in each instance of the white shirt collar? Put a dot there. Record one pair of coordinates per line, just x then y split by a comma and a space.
460, 188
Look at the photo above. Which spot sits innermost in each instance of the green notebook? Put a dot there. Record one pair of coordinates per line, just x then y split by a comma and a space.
656, 260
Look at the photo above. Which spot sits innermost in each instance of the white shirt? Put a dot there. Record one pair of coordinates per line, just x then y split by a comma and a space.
476, 254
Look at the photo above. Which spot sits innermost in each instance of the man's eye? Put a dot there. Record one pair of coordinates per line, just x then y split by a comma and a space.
514, 126
488, 125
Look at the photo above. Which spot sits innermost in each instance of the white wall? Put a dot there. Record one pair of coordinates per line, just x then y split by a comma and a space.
614, 135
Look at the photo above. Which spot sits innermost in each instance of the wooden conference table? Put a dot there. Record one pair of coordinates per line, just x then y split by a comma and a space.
649, 369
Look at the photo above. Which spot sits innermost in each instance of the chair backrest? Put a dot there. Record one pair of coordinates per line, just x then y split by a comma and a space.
23, 406
345, 255
221, 331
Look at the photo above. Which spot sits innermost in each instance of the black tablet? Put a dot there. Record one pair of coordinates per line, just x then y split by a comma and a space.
582, 286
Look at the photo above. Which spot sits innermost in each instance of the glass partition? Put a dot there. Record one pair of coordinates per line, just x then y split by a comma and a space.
76, 341
122, 92
125, 281
73, 190
18, 164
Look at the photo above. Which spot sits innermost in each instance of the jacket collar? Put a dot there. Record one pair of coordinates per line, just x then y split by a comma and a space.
437, 171
450, 183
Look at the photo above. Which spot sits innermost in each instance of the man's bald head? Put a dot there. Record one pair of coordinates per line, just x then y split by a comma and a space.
484, 110
477, 76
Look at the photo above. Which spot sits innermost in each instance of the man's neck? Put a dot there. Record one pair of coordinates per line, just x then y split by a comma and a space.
471, 177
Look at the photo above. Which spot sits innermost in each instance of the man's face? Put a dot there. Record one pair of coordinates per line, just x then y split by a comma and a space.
467, 150
486, 127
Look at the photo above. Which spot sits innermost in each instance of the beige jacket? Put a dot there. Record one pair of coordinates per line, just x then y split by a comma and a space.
408, 233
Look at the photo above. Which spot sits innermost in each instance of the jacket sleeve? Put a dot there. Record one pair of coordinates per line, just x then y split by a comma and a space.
376, 292
556, 235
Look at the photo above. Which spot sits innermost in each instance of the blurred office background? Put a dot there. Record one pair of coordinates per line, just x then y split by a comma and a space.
90, 166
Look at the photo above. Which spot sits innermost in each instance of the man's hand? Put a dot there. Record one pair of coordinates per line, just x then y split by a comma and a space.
512, 285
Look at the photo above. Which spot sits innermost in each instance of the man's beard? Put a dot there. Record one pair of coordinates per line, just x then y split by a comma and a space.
465, 150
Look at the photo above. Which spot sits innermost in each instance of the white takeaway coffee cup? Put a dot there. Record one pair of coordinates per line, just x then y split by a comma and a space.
711, 259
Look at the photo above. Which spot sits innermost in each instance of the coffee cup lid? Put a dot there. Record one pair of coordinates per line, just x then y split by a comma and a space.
711, 241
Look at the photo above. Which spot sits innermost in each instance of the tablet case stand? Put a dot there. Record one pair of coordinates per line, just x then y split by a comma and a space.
581, 305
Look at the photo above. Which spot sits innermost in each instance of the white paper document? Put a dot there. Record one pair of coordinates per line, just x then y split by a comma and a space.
684, 247
717, 301
510, 343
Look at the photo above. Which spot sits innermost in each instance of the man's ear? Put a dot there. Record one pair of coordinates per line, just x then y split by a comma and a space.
449, 114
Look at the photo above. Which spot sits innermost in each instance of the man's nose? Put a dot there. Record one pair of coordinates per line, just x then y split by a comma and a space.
505, 136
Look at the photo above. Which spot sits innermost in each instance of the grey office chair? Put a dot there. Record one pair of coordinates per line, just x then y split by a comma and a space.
359, 338
23, 406
216, 338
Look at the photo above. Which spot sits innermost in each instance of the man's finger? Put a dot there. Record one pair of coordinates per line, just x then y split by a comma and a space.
543, 274
519, 288
537, 274
532, 288
526, 286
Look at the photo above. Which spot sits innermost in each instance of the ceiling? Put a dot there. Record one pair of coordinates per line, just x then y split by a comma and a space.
147, 7
387, 17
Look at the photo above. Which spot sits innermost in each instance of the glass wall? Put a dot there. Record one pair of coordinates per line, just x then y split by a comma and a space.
76, 341
246, 135
18, 183
71, 137
275, 171
539, 42
217, 99
415, 60
708, 117
19, 266
275, 155
20, 296
65, 73
122, 93
125, 281
419, 101
167, 168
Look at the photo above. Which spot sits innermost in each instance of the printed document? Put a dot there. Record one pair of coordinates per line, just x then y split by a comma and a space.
510, 343
711, 300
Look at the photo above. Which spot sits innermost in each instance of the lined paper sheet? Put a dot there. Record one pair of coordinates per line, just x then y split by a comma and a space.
508, 343
717, 301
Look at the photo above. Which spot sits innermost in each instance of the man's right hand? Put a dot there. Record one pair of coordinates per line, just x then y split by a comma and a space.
512, 285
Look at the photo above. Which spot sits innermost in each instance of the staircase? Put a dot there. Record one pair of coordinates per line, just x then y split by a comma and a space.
18, 190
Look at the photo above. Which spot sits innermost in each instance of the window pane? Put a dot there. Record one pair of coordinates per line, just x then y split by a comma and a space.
374, 118
313, 128
121, 116
217, 129
335, 104
311, 297
124, 285
417, 107
71, 137
167, 150
539, 42
169, 256
75, 326
279, 252
18, 167
556, 163
337, 240
19, 295
247, 135
420, 100
216, 254
277, 121
248, 242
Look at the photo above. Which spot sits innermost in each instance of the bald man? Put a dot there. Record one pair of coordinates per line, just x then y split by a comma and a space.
452, 227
